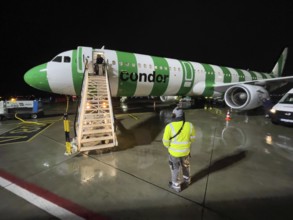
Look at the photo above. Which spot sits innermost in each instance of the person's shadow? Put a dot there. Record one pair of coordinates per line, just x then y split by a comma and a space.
217, 165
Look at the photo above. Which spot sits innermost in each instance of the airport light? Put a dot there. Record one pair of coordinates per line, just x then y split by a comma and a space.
88, 105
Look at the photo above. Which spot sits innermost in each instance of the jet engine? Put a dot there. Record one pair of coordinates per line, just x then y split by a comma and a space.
245, 97
169, 98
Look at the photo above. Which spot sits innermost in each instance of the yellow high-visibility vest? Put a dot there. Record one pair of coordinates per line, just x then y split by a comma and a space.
178, 146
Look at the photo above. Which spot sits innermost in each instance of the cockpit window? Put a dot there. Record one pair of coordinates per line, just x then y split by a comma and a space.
67, 59
57, 59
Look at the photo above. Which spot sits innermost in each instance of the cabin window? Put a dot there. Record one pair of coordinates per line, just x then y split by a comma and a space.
174, 68
67, 59
156, 67
126, 64
179, 69
121, 63
165, 68
139, 65
113, 62
150, 66
144, 66
161, 67
57, 59
133, 65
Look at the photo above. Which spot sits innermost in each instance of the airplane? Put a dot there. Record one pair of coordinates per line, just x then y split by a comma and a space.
139, 75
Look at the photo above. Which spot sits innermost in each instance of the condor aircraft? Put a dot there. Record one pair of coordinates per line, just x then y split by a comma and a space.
133, 74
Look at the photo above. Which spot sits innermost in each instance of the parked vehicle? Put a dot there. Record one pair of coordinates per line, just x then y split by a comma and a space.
27, 108
282, 112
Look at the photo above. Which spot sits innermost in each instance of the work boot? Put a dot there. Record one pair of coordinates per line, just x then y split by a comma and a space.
175, 187
187, 181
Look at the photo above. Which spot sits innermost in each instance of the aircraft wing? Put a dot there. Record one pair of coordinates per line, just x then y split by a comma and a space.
272, 83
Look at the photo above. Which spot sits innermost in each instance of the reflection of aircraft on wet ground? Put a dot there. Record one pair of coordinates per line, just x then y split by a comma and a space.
132, 75
247, 133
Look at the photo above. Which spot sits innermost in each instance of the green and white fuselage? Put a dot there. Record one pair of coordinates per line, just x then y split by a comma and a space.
133, 74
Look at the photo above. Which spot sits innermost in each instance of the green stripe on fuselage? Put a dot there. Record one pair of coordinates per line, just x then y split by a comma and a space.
187, 77
227, 74
76, 76
80, 57
264, 76
210, 80
253, 75
241, 75
127, 71
161, 76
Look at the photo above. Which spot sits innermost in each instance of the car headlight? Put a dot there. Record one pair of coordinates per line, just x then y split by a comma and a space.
273, 110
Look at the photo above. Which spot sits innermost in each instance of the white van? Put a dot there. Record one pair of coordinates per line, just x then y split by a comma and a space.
282, 112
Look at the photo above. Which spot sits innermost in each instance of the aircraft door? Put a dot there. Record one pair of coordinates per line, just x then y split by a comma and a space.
188, 76
83, 54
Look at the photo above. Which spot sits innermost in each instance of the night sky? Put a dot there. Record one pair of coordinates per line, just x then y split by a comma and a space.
239, 35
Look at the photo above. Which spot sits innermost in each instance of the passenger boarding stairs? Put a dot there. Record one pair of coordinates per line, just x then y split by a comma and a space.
95, 124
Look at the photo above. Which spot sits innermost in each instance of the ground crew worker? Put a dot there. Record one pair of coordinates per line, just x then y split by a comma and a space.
177, 138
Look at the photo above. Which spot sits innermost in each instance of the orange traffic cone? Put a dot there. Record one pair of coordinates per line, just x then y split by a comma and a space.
228, 117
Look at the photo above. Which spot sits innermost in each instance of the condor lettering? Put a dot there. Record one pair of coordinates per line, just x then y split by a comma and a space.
143, 77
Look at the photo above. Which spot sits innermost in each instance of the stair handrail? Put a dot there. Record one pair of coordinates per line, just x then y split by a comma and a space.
110, 104
79, 97
81, 109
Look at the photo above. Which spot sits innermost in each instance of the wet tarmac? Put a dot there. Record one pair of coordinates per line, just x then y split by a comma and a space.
241, 168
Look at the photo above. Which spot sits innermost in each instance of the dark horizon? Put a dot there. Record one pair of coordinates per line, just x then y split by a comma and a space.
238, 35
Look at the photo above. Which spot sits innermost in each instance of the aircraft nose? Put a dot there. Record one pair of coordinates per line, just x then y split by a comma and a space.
37, 78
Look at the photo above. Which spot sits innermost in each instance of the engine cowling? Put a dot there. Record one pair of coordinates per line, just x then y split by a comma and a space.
169, 98
245, 97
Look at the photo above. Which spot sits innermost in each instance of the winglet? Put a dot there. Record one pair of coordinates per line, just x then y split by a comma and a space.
279, 66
